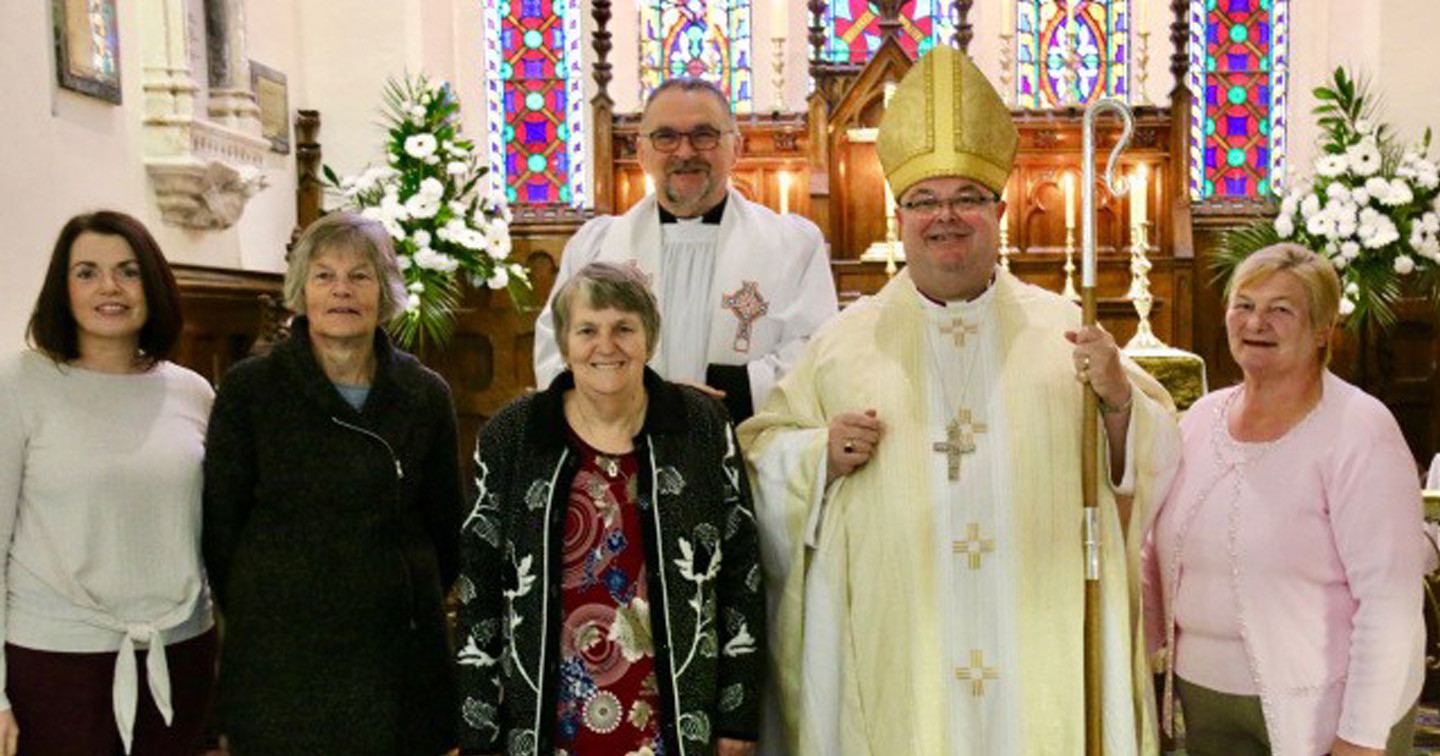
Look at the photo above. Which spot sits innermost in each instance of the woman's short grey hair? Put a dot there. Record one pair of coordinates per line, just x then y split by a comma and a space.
365, 237
607, 286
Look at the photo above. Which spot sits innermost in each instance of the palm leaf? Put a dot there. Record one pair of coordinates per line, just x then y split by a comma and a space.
1236, 244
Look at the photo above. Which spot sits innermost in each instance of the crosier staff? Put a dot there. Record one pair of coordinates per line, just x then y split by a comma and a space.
1094, 708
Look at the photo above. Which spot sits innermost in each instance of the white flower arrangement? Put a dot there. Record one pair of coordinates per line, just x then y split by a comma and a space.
1372, 208
447, 216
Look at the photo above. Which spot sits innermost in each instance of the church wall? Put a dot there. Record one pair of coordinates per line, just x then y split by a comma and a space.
66, 153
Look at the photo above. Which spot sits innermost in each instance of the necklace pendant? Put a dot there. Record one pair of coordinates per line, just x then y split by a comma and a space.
609, 464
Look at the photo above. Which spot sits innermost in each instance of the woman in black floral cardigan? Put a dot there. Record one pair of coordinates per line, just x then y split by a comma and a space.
611, 597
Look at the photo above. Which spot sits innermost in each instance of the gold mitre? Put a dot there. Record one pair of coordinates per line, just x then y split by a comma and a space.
946, 120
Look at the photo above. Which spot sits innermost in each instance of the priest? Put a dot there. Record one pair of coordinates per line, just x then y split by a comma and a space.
740, 288
919, 479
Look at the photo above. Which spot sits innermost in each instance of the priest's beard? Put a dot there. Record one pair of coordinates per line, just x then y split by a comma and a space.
687, 203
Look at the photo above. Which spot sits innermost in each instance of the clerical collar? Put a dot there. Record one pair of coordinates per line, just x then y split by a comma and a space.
710, 218
981, 298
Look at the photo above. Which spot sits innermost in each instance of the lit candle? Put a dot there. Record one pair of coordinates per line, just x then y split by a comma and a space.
1069, 200
779, 18
784, 192
1137, 199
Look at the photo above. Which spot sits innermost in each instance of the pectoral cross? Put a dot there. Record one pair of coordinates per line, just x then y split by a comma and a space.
977, 673
958, 330
959, 439
973, 546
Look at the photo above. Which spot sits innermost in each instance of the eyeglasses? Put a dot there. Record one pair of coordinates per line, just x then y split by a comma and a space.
701, 139
929, 207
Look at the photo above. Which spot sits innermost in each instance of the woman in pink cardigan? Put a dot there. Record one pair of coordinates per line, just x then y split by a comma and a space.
1287, 559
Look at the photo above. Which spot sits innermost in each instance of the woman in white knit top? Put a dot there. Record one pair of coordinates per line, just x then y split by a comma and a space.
109, 639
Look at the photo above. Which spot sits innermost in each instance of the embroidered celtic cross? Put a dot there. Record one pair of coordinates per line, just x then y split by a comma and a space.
748, 306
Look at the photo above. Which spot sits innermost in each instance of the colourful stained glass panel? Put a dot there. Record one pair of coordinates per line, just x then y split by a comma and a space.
534, 100
1066, 56
1238, 76
853, 28
702, 39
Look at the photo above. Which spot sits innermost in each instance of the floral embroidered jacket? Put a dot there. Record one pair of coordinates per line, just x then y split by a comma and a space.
707, 606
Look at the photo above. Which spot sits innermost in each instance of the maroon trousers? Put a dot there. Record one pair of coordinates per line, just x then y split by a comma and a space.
62, 701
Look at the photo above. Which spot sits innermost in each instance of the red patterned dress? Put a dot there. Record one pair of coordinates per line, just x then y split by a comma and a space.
608, 698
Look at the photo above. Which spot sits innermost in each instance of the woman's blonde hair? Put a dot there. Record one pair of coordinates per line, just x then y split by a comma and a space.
1315, 273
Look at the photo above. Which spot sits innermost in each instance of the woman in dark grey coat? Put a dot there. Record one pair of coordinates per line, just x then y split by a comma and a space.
332, 506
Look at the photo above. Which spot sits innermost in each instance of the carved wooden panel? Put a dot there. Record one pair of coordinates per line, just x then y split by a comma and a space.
224, 314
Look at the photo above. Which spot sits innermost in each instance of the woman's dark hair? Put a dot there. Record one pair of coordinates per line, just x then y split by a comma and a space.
52, 328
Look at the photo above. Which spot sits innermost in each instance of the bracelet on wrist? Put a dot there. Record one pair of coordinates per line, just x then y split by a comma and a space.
1107, 408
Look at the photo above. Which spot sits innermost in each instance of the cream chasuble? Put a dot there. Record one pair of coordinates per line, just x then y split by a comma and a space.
915, 614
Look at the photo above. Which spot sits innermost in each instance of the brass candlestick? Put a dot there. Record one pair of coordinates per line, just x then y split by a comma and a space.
1139, 293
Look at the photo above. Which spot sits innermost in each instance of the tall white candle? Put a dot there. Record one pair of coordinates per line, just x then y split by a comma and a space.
779, 18
1138, 208
784, 192
1069, 200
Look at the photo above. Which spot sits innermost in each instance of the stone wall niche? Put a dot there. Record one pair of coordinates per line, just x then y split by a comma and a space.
203, 149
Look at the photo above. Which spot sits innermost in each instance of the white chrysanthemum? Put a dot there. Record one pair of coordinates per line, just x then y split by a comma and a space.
412, 302
499, 248
1352, 289
421, 206
1382, 232
382, 215
456, 168
1337, 191
499, 279
1347, 306
421, 237
1284, 226
1339, 262
403, 262
1331, 166
1289, 204
416, 287
1364, 157
1320, 225
1350, 250
1404, 265
438, 261
1360, 196
1309, 206
1430, 222
420, 146
1398, 194
432, 160
432, 188
417, 112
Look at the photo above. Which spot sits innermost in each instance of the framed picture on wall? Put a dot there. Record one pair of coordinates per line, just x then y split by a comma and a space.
273, 97
87, 47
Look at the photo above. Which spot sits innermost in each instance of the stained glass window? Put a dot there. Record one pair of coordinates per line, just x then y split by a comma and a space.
1239, 76
535, 101
1070, 55
853, 28
702, 39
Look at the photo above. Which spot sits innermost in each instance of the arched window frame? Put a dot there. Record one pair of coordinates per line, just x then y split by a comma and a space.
511, 76
1217, 118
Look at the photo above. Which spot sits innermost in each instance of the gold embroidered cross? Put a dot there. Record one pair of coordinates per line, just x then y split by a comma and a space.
973, 546
959, 439
958, 330
977, 673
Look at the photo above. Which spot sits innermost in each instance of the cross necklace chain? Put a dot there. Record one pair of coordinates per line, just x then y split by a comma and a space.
961, 428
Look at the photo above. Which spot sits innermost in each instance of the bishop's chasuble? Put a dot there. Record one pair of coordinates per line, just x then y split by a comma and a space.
931, 603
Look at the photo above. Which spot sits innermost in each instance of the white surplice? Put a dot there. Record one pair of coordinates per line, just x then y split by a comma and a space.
768, 289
